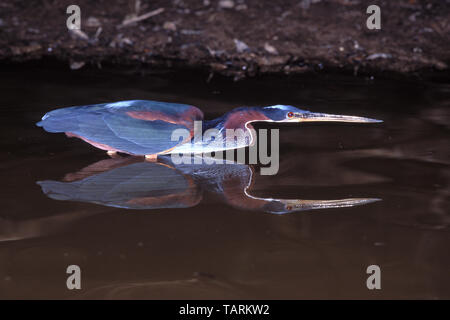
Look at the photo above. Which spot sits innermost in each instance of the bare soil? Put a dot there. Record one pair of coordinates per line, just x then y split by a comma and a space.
235, 38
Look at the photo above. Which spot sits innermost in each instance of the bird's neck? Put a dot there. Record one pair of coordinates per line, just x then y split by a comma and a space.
239, 118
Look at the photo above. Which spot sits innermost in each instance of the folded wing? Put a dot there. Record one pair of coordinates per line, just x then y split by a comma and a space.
137, 126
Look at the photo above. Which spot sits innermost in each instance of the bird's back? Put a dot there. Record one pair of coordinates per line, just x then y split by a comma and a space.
135, 126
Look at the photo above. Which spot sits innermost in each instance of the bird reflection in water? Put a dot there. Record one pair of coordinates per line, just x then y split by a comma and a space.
132, 183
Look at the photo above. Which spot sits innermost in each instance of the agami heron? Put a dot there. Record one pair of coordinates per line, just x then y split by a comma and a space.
142, 127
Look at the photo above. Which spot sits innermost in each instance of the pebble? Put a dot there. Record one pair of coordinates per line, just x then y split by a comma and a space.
93, 22
191, 32
75, 33
270, 49
170, 26
226, 4
240, 46
379, 56
304, 4
75, 65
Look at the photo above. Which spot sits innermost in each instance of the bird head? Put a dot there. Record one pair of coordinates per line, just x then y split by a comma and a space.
284, 113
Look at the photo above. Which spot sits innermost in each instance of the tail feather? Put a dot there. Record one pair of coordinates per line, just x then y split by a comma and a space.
60, 120
59, 190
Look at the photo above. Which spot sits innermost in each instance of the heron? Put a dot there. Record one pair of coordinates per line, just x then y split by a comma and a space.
145, 128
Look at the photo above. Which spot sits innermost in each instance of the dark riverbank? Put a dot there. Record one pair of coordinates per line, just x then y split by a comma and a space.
235, 38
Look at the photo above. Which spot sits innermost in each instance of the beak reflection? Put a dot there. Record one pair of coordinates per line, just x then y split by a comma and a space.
325, 117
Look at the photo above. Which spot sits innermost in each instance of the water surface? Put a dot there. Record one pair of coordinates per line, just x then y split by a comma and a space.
205, 240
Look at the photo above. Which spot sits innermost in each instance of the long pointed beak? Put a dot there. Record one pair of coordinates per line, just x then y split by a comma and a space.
302, 205
313, 116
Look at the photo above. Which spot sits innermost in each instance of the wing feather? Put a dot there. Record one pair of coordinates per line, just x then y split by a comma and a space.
155, 136
134, 126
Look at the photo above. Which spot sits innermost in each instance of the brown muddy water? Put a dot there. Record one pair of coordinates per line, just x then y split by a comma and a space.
198, 235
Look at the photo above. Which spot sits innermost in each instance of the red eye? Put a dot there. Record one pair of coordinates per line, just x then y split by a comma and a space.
290, 114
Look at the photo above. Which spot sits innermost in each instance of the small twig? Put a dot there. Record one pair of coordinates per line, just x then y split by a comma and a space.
97, 33
76, 33
140, 18
137, 6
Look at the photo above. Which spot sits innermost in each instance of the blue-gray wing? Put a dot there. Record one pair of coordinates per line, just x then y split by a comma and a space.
136, 127
136, 186
148, 137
